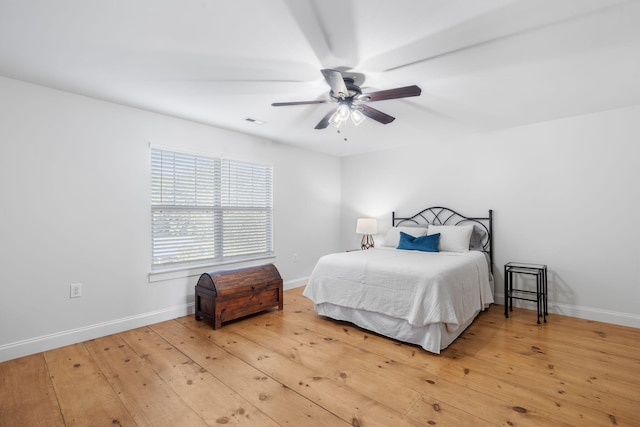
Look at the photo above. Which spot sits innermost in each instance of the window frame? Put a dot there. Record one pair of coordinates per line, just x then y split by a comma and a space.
220, 202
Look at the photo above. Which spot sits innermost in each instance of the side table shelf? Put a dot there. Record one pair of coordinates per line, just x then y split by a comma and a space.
539, 296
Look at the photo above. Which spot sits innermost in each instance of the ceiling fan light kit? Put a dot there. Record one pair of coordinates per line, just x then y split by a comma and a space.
340, 115
352, 101
343, 113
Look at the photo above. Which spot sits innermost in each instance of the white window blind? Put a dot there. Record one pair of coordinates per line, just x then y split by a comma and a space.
207, 210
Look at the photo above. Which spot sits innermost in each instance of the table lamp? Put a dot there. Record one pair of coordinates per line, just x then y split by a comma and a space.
367, 227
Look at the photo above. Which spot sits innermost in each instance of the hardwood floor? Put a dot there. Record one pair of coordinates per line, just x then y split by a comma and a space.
294, 368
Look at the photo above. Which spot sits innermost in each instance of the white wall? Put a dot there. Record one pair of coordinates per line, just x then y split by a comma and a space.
74, 188
564, 193
75, 194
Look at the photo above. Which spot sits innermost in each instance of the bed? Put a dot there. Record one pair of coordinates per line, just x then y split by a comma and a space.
424, 285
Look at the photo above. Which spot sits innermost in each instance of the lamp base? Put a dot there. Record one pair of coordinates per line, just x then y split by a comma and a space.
367, 242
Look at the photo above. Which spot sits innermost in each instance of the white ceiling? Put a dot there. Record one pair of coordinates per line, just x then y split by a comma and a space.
482, 65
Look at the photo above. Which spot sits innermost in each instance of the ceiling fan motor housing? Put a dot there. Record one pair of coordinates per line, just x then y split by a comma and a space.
352, 89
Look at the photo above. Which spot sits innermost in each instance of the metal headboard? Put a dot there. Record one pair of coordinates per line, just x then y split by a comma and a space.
439, 215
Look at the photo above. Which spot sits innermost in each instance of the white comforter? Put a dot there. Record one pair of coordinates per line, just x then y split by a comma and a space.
419, 287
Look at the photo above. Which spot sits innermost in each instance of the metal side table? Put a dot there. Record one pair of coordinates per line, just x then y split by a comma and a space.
539, 296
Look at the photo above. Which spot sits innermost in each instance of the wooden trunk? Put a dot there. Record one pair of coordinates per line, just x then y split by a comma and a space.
226, 295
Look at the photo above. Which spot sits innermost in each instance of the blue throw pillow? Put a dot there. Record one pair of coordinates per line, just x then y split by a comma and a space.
422, 243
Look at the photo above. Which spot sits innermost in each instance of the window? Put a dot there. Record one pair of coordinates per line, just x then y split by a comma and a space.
207, 210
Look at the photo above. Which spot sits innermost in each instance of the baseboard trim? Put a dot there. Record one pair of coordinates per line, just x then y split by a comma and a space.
73, 336
587, 313
295, 283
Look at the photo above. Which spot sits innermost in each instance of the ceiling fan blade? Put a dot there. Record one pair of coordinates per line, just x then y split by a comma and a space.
400, 92
335, 80
283, 104
376, 115
322, 124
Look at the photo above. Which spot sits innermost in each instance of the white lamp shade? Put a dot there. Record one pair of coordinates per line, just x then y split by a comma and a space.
367, 226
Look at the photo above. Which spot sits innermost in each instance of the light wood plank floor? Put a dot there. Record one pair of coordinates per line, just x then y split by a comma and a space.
294, 368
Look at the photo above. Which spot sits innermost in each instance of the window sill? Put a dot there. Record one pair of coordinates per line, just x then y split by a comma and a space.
197, 270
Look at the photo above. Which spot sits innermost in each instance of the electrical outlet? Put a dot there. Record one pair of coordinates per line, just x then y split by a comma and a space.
75, 290
295, 258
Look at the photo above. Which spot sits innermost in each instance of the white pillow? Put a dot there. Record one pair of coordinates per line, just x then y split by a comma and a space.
392, 239
453, 238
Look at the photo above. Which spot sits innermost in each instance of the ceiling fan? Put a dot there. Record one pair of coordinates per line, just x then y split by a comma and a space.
352, 102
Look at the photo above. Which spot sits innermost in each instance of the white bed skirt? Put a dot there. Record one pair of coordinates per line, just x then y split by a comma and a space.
433, 337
